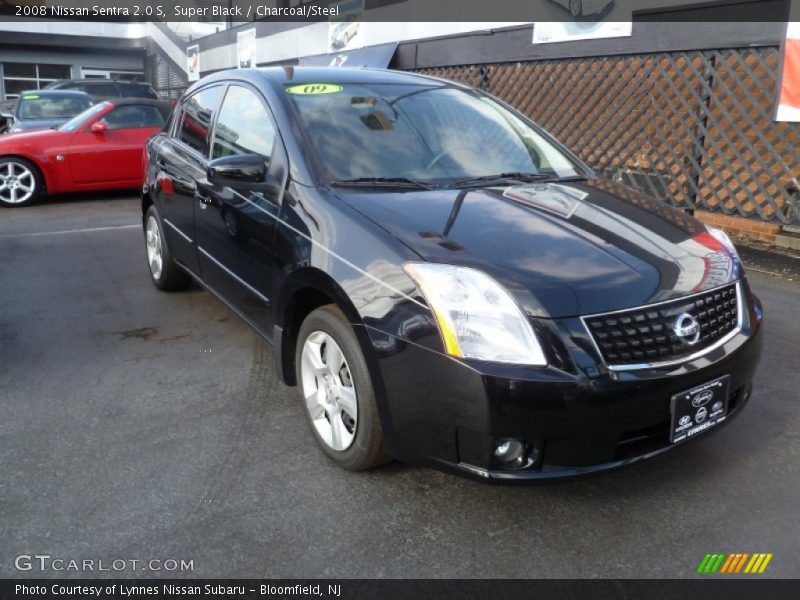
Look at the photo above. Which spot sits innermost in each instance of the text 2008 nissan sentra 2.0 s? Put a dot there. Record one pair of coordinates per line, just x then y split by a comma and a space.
444, 282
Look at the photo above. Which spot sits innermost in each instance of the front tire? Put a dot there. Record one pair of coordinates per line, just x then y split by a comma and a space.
337, 393
21, 182
165, 273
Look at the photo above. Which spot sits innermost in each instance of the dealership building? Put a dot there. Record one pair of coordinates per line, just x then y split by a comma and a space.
34, 53
683, 110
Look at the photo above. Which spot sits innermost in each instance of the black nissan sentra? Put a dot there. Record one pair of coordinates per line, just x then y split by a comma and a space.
444, 282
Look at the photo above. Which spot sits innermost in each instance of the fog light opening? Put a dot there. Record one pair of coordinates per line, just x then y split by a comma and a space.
512, 454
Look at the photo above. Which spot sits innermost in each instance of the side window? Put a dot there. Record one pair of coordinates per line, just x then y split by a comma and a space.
106, 90
76, 86
196, 116
244, 126
133, 116
136, 90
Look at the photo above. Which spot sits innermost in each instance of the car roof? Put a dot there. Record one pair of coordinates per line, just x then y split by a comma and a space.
61, 93
289, 75
98, 80
163, 106
124, 101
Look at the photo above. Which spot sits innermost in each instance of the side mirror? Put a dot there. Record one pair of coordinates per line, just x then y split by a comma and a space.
243, 168
99, 127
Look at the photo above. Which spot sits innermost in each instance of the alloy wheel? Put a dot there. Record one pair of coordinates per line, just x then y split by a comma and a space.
17, 183
329, 391
155, 257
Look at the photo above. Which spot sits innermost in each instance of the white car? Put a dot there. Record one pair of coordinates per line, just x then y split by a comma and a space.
342, 34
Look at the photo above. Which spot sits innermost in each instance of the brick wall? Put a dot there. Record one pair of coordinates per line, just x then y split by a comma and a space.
741, 227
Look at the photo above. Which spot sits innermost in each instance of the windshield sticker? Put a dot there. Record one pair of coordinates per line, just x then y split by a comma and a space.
560, 200
31, 97
312, 89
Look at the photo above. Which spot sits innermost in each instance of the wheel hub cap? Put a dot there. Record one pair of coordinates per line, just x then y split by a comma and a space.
17, 183
154, 250
329, 391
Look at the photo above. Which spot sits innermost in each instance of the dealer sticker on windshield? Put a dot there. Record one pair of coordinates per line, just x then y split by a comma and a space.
312, 89
698, 409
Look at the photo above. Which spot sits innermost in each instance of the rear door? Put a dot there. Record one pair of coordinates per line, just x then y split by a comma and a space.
115, 155
182, 159
235, 224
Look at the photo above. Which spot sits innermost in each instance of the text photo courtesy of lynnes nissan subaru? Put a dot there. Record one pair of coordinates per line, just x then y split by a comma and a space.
303, 297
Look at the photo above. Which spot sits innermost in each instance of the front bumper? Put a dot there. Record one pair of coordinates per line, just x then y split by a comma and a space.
584, 418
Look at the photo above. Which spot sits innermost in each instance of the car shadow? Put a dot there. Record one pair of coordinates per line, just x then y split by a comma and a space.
83, 197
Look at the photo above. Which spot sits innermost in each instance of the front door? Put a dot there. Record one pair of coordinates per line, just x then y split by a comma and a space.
183, 158
235, 224
114, 155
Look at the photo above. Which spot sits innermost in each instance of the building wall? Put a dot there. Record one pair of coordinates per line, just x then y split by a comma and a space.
76, 61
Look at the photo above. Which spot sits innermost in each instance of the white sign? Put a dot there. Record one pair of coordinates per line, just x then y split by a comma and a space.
346, 32
789, 97
549, 32
246, 49
193, 62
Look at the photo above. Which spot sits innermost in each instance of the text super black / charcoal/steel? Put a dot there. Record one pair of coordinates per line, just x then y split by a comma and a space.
443, 282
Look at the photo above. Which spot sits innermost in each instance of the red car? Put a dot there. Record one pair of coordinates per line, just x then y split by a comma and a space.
100, 149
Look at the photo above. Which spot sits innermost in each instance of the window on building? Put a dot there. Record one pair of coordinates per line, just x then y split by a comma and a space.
18, 77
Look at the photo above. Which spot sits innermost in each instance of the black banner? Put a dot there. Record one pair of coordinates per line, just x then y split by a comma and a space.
402, 589
236, 11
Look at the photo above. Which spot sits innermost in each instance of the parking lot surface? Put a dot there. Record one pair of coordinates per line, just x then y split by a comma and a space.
140, 425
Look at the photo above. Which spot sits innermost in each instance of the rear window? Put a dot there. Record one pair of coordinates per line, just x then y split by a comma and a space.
133, 116
36, 106
137, 90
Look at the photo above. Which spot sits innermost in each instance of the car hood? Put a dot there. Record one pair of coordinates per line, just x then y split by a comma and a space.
563, 249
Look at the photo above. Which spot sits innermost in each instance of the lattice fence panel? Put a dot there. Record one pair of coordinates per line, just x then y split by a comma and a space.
695, 129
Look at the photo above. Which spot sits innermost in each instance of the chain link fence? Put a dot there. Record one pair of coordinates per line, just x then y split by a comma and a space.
693, 128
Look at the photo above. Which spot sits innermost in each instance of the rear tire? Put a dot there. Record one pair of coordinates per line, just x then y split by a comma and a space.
21, 182
165, 273
336, 391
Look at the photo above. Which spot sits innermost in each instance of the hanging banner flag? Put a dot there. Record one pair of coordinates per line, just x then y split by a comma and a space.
549, 32
246, 48
789, 99
346, 31
193, 63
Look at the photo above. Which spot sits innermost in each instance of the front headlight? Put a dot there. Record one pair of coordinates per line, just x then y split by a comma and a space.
477, 317
724, 239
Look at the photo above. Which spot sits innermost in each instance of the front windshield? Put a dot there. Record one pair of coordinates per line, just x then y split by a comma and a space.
428, 134
75, 122
35, 106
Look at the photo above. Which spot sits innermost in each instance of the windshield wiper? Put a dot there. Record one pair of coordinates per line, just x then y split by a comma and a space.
514, 177
382, 182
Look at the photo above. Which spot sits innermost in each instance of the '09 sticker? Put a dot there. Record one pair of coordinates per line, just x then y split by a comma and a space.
312, 89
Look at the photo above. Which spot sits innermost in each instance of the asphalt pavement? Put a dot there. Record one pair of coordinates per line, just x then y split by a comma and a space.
140, 425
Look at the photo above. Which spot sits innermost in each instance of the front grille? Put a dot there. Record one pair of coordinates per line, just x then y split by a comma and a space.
647, 334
